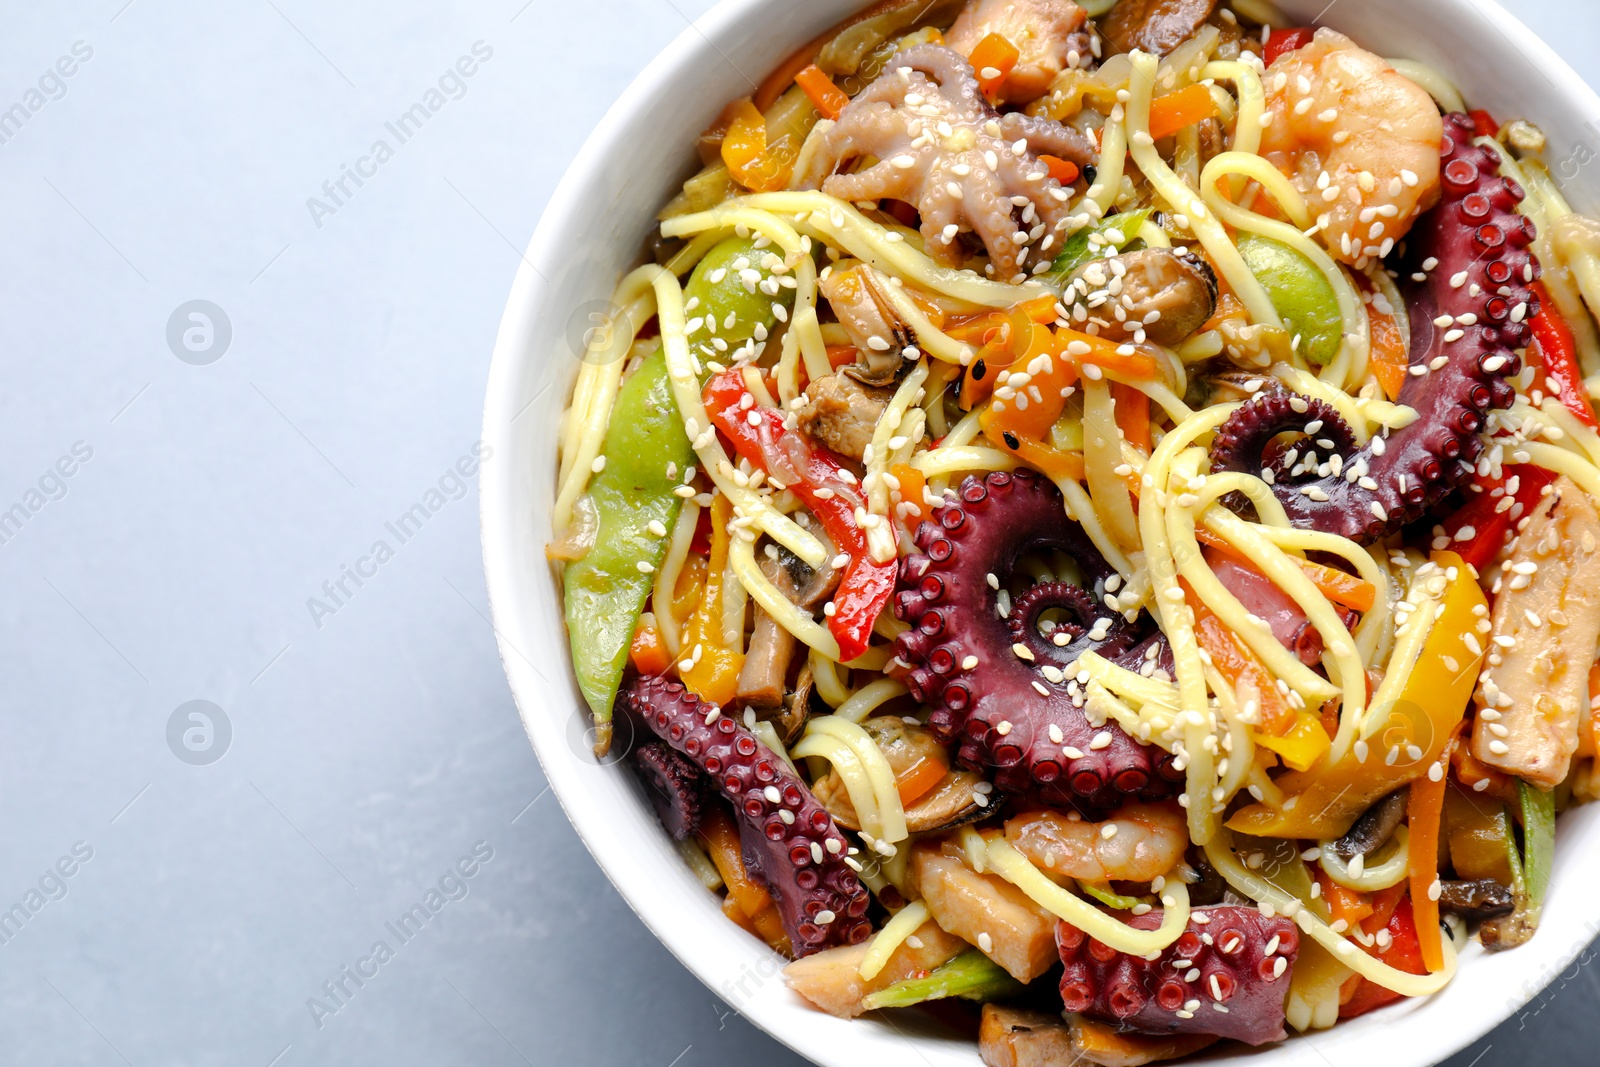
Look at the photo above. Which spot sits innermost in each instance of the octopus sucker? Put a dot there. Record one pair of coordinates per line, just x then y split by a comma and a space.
997, 685
1229, 957
1468, 319
790, 843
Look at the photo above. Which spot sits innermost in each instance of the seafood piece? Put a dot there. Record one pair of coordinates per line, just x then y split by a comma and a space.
764, 676
1372, 830
1156, 26
832, 980
1154, 294
1359, 140
996, 683
935, 796
966, 178
1021, 1037
986, 910
856, 296
677, 788
1140, 843
790, 843
1047, 34
1535, 688
1468, 319
1226, 974
841, 413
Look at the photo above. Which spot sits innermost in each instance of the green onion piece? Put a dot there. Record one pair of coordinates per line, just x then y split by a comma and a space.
971, 975
1538, 842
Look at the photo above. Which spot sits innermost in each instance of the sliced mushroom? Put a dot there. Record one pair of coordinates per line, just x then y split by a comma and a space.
1373, 830
953, 801
1157, 26
763, 678
1167, 294
841, 413
1475, 901
1019, 1037
857, 298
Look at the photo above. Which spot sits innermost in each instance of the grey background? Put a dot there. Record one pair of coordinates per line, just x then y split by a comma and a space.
374, 746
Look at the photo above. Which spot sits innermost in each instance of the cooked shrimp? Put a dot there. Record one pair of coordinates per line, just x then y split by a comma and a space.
1138, 844
1357, 138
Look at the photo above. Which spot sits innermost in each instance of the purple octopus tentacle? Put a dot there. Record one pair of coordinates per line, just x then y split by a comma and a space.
1229, 956
1001, 695
677, 788
1471, 251
790, 842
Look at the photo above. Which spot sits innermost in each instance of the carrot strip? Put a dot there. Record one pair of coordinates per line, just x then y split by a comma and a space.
1173, 111
1062, 170
1133, 415
828, 97
1424, 810
994, 53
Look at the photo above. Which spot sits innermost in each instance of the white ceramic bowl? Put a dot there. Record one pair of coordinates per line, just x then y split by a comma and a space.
593, 231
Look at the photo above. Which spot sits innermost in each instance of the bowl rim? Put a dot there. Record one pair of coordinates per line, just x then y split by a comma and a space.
498, 499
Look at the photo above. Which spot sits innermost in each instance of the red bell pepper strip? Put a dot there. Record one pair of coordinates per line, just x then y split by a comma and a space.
1557, 358
1403, 954
1490, 522
1281, 41
1483, 124
831, 492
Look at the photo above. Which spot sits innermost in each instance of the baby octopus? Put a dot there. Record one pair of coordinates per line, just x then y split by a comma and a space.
997, 685
1468, 272
942, 147
1357, 138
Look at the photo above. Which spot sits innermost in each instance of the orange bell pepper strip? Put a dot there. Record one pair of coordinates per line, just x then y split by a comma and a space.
1594, 709
1346, 904
1388, 360
917, 780
1427, 710
752, 162
1001, 338
1424, 811
721, 840
1173, 111
715, 674
912, 484
1557, 359
1062, 170
1133, 415
649, 650
828, 97
992, 59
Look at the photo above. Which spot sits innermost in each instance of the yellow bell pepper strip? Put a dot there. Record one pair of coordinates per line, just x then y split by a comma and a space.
831, 492
1302, 746
605, 591
1322, 802
1424, 811
713, 674
993, 58
753, 163
828, 97
1171, 112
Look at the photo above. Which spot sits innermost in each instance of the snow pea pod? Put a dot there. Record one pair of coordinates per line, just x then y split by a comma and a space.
605, 590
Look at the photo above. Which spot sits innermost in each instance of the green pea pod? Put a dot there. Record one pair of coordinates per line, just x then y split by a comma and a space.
606, 589
1538, 843
1117, 232
1303, 297
728, 301
1280, 864
971, 975
1107, 896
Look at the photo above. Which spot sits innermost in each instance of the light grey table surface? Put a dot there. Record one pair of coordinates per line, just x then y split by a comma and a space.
196, 549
